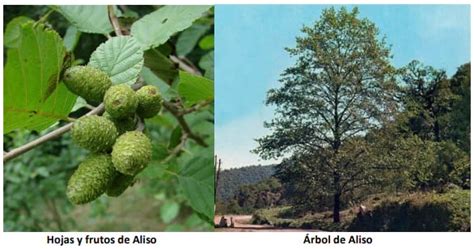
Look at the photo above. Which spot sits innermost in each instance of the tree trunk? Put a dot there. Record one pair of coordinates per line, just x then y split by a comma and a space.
437, 131
337, 207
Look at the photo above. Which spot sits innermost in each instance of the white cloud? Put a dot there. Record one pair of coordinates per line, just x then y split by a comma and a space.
235, 139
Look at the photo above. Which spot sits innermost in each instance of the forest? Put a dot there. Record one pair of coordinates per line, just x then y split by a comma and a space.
230, 180
366, 146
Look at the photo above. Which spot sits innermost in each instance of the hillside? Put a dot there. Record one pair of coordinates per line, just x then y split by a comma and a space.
231, 179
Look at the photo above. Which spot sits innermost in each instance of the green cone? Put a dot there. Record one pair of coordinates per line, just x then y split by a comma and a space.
120, 102
120, 183
87, 82
131, 152
91, 179
122, 125
94, 133
149, 101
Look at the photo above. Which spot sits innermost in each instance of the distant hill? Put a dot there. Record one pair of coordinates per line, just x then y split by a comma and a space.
231, 179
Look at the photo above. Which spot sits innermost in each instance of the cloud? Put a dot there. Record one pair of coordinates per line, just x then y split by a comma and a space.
235, 139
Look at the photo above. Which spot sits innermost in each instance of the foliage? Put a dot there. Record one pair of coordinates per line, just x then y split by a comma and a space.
43, 100
35, 184
418, 211
427, 97
121, 58
427, 212
457, 122
230, 180
340, 87
175, 192
266, 193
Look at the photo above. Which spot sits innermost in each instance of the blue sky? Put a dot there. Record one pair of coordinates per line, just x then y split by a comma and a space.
249, 57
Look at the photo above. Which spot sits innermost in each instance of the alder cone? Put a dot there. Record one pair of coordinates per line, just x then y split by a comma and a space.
119, 184
88, 82
120, 101
131, 152
91, 179
94, 133
122, 125
149, 101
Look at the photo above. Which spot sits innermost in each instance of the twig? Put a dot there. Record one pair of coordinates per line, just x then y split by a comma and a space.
45, 16
90, 107
56, 133
189, 63
195, 107
140, 125
114, 21
184, 125
185, 66
176, 150
52, 135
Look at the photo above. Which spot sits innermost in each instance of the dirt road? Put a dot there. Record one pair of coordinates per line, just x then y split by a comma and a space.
242, 224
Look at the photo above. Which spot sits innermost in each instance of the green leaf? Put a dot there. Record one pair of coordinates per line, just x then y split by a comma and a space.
12, 32
87, 18
169, 211
175, 138
207, 42
197, 182
121, 58
80, 103
34, 98
156, 28
167, 92
71, 38
188, 39
161, 65
207, 63
195, 88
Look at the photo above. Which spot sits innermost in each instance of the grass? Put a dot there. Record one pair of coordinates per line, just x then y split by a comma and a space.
419, 211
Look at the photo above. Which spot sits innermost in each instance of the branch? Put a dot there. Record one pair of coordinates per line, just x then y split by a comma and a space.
176, 150
140, 125
185, 66
58, 132
52, 135
182, 122
195, 107
114, 21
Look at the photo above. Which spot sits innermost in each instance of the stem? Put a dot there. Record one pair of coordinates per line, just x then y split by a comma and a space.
195, 107
185, 66
45, 16
114, 21
184, 125
52, 135
140, 125
176, 150
56, 133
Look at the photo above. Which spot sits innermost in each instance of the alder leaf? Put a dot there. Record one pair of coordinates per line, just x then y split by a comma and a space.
87, 18
34, 97
121, 58
157, 27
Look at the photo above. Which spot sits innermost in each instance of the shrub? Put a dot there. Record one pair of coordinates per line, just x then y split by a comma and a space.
421, 212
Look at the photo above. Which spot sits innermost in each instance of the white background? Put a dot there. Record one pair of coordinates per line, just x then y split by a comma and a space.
221, 240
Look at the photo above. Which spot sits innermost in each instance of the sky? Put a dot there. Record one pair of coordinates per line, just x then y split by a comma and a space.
250, 56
